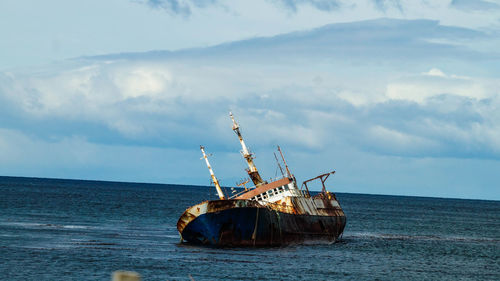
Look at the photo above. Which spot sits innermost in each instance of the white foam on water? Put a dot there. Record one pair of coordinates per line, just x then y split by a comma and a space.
389, 236
43, 225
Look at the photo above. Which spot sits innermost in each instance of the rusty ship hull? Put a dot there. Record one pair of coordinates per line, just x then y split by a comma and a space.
243, 223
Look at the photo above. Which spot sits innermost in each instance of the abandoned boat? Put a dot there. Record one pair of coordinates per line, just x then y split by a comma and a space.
270, 213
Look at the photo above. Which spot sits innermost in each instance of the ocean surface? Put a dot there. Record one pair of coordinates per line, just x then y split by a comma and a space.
84, 230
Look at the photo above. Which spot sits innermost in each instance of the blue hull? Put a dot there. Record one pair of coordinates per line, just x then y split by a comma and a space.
260, 226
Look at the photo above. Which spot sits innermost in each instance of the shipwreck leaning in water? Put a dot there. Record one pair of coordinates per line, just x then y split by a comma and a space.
269, 214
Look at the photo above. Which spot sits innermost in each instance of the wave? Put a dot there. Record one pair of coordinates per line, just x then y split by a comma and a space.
44, 225
95, 243
389, 236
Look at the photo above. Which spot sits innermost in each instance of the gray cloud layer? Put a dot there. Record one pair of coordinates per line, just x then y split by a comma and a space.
184, 7
324, 5
178, 7
474, 5
159, 98
372, 40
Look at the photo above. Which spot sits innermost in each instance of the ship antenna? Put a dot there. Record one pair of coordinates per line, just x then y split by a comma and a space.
284, 161
278, 162
252, 170
214, 179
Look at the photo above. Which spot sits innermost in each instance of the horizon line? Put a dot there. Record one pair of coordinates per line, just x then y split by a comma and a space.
208, 186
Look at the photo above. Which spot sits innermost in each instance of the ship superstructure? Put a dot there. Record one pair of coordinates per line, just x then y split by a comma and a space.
268, 214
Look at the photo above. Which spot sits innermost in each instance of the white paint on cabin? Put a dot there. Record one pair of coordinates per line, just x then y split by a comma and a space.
278, 193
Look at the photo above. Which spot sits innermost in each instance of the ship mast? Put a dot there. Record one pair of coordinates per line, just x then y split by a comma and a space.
284, 161
252, 170
214, 179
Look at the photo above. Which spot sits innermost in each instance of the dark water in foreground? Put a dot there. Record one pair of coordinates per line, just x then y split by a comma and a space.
83, 230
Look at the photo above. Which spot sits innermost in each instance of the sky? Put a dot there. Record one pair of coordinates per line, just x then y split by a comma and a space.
398, 97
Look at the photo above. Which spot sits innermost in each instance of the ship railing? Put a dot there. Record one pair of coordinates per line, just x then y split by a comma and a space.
305, 193
239, 193
322, 178
276, 178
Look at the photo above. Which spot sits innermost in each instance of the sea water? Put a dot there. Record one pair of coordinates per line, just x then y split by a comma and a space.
84, 230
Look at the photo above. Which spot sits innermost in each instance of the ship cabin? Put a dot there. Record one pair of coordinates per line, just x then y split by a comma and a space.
272, 191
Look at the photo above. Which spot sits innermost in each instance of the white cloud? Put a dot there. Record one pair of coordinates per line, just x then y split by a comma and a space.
108, 93
139, 81
163, 102
419, 88
435, 72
